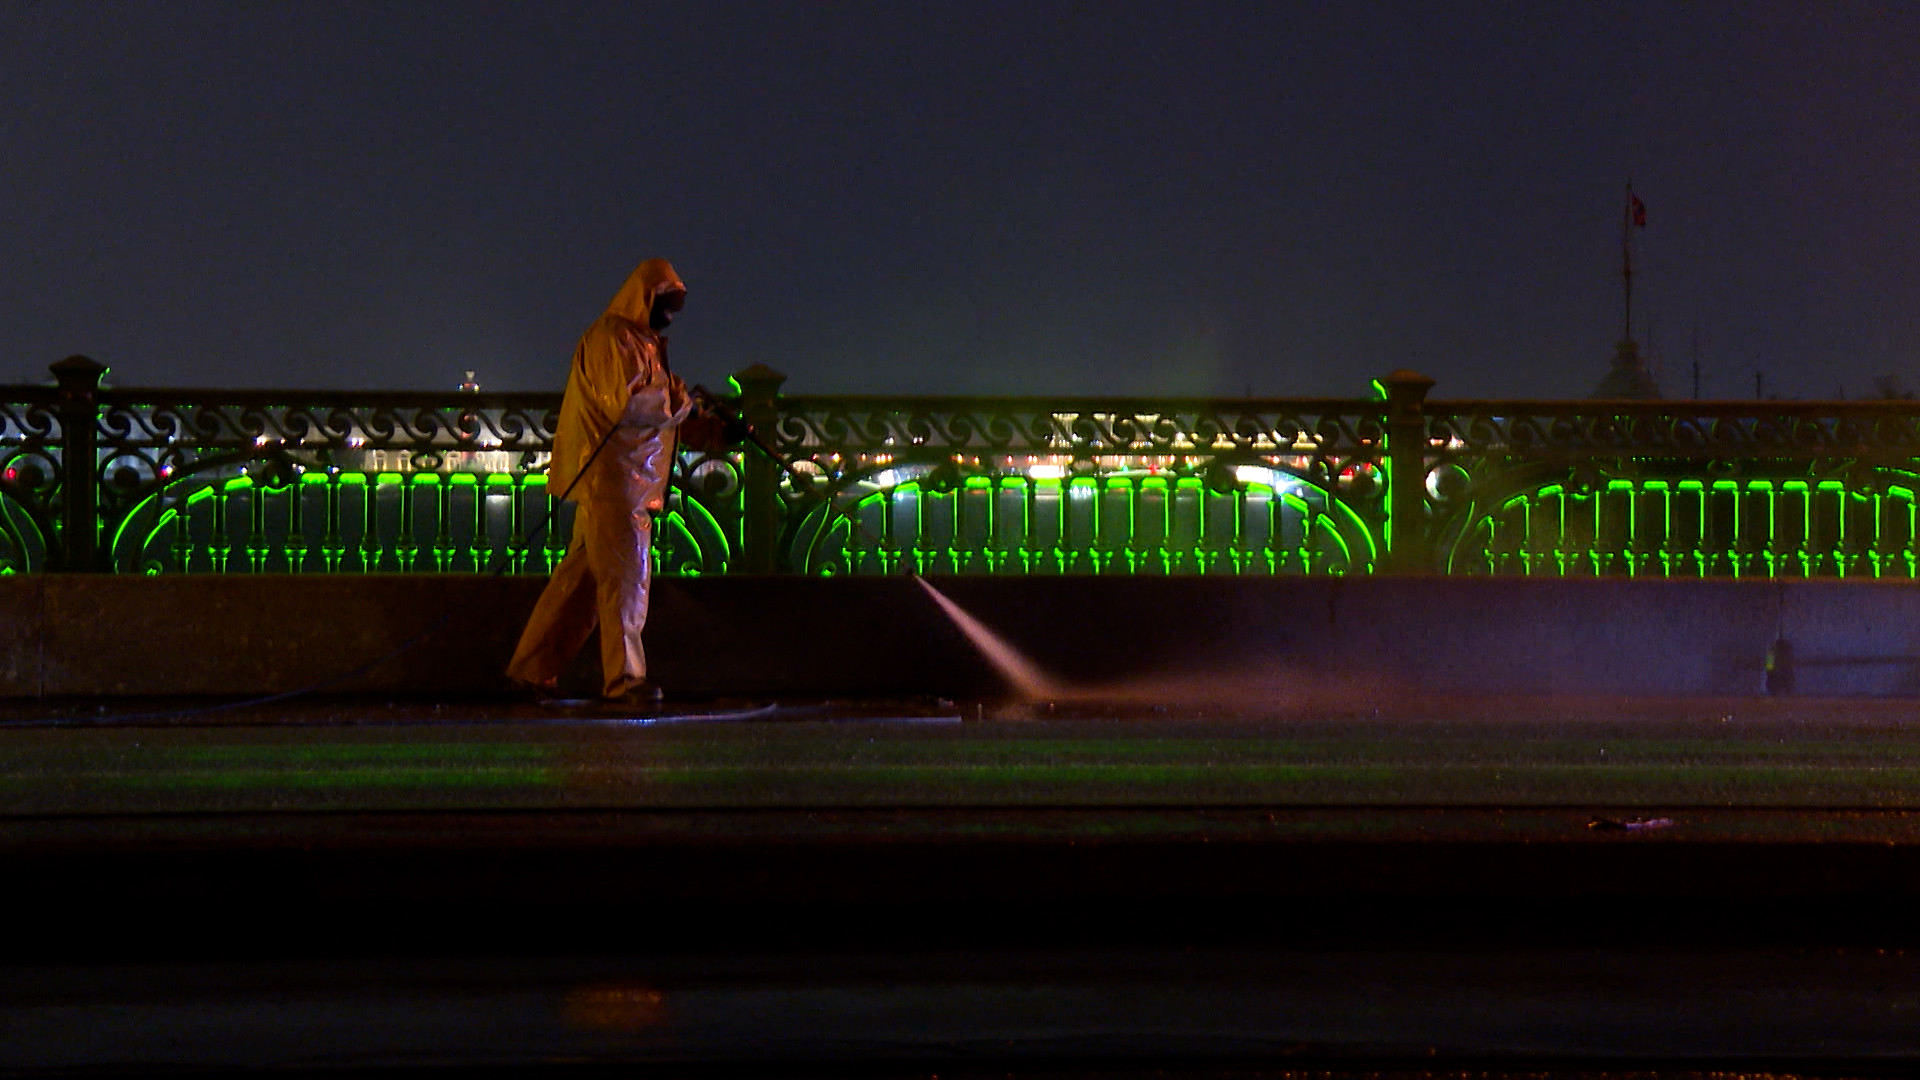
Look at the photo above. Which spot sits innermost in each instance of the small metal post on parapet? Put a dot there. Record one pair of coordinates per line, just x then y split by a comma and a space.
760, 478
79, 379
1407, 532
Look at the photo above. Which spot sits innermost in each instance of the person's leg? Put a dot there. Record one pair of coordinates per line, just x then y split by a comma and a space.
562, 619
621, 554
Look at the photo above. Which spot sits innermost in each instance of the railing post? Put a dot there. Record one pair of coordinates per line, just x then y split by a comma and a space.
1407, 532
757, 387
79, 379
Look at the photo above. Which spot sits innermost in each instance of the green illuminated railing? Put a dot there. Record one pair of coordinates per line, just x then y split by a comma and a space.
1693, 489
150, 481
1066, 486
153, 481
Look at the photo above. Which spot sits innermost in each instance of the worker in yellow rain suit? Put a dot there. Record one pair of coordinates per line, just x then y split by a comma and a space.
614, 448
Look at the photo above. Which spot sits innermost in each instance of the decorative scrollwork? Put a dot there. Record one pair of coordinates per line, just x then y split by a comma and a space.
353, 482
30, 478
1693, 488
1006, 485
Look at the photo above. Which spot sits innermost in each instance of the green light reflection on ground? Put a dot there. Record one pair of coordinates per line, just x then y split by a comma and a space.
311, 753
823, 766
364, 765
354, 778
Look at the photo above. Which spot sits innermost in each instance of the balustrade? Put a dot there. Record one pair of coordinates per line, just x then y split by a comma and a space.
167, 481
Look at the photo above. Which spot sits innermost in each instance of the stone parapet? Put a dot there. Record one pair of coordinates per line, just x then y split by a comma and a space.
1246, 640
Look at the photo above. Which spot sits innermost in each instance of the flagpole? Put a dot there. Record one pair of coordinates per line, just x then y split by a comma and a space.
1626, 263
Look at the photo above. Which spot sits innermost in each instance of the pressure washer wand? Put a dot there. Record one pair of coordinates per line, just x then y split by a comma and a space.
736, 429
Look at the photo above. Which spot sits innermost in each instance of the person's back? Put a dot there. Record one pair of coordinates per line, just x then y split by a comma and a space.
612, 456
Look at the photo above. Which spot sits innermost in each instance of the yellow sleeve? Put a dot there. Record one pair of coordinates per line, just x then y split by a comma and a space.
605, 372
659, 399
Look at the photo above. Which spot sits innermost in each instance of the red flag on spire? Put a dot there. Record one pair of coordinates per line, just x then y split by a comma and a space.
1639, 210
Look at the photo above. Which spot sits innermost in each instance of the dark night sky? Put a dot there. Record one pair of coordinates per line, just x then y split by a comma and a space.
970, 198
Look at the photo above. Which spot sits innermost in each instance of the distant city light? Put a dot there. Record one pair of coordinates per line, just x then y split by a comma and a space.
1267, 477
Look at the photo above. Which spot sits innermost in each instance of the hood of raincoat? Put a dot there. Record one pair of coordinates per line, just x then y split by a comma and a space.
650, 283
620, 394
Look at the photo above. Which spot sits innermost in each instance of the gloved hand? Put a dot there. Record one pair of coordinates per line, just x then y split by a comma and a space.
713, 426
657, 404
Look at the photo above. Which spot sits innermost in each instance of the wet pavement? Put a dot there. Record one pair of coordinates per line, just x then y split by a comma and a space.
904, 887
383, 755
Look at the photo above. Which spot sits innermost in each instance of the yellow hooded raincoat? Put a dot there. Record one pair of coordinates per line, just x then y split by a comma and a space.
620, 392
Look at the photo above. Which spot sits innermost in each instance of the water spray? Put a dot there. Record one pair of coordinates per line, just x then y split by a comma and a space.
1021, 673
1012, 664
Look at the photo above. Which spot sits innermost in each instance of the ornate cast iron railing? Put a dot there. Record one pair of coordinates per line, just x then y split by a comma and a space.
150, 481
32, 453
1691, 489
1079, 485
271, 481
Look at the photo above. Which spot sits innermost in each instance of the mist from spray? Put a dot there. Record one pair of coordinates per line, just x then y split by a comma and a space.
1013, 665
1248, 687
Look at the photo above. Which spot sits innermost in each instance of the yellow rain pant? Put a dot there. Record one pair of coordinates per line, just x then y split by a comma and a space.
620, 415
602, 581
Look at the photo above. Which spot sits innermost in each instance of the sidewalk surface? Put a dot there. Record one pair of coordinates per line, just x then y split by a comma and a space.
904, 887
380, 755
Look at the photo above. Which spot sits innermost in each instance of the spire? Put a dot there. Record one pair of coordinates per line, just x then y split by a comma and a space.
1633, 215
1628, 378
